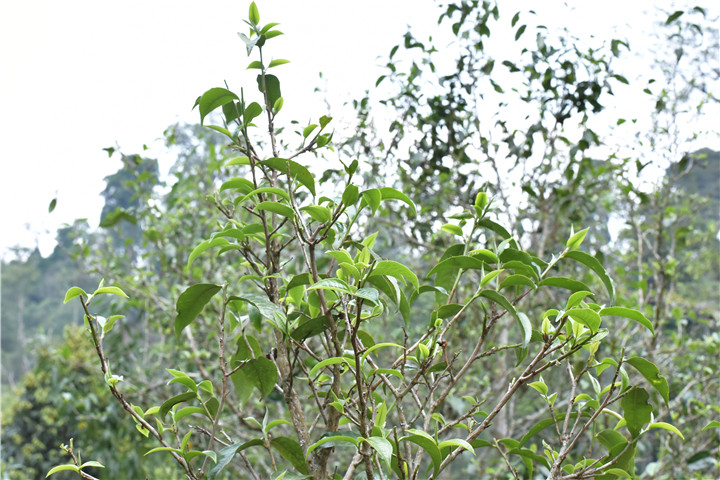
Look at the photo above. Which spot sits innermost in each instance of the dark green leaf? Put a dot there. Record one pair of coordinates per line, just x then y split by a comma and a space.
295, 170
262, 372
191, 302
674, 16
312, 327
519, 32
168, 404
272, 88
564, 282
522, 320
291, 451
638, 411
53, 204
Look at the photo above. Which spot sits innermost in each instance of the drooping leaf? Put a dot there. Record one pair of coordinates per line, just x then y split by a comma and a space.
383, 447
388, 193
593, 264
427, 443
314, 326
296, 171
291, 451
191, 302
207, 244
668, 427
522, 320
628, 313
651, 373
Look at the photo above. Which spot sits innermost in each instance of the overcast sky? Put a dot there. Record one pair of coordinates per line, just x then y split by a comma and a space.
79, 76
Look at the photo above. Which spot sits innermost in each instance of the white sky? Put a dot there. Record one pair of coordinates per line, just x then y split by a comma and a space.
80, 75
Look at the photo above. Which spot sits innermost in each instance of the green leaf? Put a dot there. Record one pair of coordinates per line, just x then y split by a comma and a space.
460, 262
255, 65
276, 207
674, 16
329, 361
453, 229
519, 32
207, 244
490, 276
456, 442
308, 130
226, 455
651, 373
296, 171
521, 319
517, 280
564, 282
712, 424
372, 198
318, 213
324, 121
168, 404
278, 62
63, 468
397, 270
593, 264
576, 298
191, 302
382, 446
575, 240
53, 204
252, 111
369, 294
427, 443
333, 440
241, 184
388, 193
540, 387
587, 317
272, 88
212, 99
262, 372
350, 195
291, 451
74, 292
668, 427
638, 411
628, 313
254, 15
314, 326
333, 284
